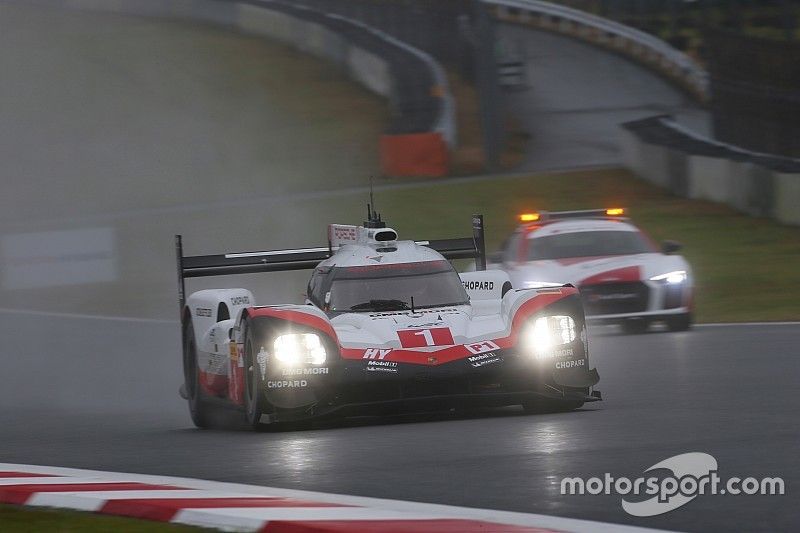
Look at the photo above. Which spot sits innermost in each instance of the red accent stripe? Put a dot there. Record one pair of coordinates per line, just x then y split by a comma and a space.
567, 261
396, 526
452, 353
23, 474
19, 494
213, 384
298, 317
164, 509
632, 273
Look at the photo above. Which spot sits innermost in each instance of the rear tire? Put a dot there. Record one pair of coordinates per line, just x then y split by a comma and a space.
679, 322
198, 407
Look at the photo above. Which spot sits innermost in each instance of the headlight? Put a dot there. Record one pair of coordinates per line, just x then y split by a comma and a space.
676, 276
299, 349
541, 284
548, 332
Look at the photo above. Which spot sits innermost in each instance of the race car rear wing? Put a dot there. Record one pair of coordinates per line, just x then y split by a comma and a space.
308, 258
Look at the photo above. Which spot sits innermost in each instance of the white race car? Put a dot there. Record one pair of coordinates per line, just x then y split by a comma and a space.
623, 277
388, 325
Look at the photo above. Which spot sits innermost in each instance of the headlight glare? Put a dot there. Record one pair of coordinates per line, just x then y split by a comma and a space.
295, 349
548, 332
674, 277
541, 284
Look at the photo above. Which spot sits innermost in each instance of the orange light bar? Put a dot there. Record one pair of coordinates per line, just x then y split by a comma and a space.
529, 217
615, 212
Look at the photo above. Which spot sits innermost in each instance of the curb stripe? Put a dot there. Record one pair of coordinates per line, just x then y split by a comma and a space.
21, 474
165, 510
19, 494
234, 506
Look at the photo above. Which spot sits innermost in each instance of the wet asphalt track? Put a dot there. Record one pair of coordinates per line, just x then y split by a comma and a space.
727, 391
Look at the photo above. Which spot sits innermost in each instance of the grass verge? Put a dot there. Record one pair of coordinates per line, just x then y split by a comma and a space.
745, 267
17, 519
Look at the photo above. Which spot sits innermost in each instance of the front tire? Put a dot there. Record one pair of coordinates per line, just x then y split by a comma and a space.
199, 409
254, 401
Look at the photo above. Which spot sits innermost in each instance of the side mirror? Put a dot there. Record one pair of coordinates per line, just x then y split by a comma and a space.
670, 247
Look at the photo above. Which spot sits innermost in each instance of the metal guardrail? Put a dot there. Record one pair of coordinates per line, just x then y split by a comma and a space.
445, 122
625, 39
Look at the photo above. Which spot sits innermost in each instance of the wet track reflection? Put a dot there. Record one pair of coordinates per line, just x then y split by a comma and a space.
709, 390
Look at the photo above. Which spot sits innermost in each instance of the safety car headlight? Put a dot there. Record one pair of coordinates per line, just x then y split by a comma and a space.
548, 332
676, 276
299, 349
541, 284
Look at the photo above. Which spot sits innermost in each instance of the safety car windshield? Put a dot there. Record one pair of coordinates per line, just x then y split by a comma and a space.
391, 287
588, 244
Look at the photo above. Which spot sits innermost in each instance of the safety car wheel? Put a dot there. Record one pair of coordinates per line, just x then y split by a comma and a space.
199, 409
634, 326
679, 322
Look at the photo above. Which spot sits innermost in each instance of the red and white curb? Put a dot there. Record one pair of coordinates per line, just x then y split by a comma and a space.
235, 507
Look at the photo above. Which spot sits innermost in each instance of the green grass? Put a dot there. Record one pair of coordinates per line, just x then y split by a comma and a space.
745, 267
15, 519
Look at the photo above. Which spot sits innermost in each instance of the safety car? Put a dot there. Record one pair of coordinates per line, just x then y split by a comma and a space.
622, 275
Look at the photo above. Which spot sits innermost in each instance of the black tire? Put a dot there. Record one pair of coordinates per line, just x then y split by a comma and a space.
635, 326
198, 406
679, 322
255, 404
551, 406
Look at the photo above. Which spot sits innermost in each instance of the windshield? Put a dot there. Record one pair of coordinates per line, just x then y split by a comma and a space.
391, 287
588, 244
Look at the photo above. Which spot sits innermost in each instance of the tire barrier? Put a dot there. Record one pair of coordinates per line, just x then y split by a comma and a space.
664, 153
642, 47
411, 80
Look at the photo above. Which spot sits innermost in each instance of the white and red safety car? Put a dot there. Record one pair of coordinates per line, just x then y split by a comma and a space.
388, 326
622, 275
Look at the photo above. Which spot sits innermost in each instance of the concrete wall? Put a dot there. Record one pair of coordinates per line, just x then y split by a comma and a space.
754, 185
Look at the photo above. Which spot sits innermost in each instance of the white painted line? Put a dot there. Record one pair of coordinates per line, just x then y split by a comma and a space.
744, 324
51, 314
254, 518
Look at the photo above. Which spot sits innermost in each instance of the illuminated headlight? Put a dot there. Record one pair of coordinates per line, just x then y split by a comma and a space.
548, 332
541, 284
677, 276
299, 349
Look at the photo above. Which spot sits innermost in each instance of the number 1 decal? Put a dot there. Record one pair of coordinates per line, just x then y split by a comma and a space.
420, 338
427, 335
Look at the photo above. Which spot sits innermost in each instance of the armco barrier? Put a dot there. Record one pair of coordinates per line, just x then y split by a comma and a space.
412, 81
638, 45
664, 153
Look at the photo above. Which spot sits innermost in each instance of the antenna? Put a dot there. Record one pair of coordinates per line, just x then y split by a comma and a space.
373, 217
